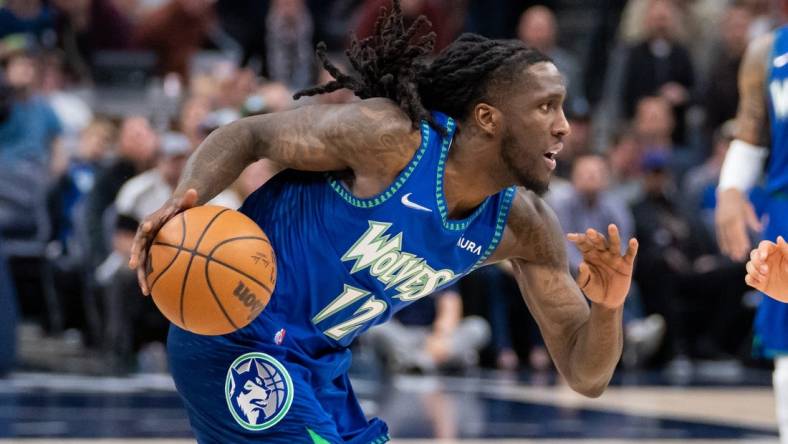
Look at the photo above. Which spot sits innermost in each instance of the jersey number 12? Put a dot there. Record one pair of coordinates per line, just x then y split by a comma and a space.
371, 309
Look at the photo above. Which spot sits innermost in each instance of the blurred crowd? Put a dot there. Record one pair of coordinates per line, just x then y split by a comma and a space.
102, 101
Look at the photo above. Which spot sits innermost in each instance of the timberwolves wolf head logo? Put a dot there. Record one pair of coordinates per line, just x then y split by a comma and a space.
259, 391
250, 394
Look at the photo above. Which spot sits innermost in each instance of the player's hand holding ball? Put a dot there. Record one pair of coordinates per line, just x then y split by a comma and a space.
211, 270
604, 275
148, 229
767, 269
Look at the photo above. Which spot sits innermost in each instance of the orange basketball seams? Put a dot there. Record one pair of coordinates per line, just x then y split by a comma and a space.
212, 270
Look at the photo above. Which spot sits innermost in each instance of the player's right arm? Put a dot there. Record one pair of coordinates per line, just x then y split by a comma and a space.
372, 138
585, 340
744, 161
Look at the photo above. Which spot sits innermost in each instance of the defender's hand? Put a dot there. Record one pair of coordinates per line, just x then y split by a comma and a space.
767, 269
734, 214
150, 227
605, 275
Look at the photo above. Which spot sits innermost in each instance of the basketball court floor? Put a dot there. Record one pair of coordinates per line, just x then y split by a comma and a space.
705, 406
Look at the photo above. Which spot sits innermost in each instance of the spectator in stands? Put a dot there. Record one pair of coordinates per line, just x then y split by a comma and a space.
590, 205
577, 143
253, 177
659, 66
175, 31
625, 173
538, 29
498, 18
339, 96
697, 24
8, 317
515, 337
436, 12
680, 271
721, 96
431, 334
762, 17
275, 97
136, 152
87, 26
73, 111
653, 125
700, 183
235, 85
30, 131
290, 55
244, 21
153, 187
335, 18
134, 323
192, 117
33, 17
79, 178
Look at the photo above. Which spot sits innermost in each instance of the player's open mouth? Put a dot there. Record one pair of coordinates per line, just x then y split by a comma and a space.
549, 156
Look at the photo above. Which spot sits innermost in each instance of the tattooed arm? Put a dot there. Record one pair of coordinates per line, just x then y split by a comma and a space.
744, 161
752, 120
584, 342
372, 138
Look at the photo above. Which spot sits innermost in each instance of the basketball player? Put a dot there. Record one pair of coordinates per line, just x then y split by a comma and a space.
379, 203
762, 115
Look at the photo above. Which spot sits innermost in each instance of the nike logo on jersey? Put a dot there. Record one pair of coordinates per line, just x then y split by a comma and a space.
781, 60
406, 201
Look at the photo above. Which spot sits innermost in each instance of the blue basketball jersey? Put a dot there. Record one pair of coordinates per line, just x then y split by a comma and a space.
771, 321
344, 264
347, 263
777, 94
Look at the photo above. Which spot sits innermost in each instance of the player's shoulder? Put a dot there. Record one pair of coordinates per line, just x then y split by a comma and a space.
532, 229
367, 124
380, 114
376, 135
530, 211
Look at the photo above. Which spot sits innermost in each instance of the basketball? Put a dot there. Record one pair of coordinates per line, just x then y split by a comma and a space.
211, 270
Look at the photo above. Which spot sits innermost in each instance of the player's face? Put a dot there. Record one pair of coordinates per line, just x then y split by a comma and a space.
535, 127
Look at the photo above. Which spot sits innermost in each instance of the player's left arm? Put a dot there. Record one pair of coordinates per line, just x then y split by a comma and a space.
585, 341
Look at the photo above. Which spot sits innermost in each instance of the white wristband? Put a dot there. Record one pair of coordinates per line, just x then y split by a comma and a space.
743, 166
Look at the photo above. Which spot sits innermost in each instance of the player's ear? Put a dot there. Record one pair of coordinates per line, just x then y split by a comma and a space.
487, 118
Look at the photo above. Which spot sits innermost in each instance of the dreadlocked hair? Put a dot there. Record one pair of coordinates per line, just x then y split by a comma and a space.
388, 63
474, 69
391, 63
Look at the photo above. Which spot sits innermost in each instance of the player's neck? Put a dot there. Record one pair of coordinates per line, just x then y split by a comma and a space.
467, 179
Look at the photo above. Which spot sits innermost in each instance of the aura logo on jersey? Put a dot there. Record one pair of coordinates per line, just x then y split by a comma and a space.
258, 390
412, 277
